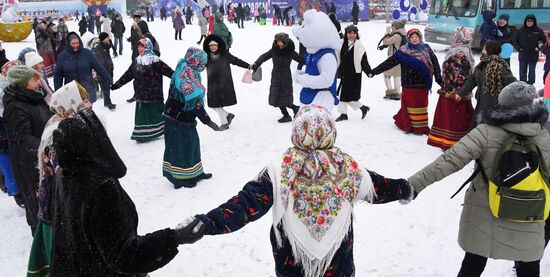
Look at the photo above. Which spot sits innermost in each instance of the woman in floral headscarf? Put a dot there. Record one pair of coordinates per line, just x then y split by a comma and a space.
147, 71
182, 164
452, 118
312, 191
65, 103
418, 66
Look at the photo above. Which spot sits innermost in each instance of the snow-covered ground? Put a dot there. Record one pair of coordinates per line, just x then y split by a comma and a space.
418, 239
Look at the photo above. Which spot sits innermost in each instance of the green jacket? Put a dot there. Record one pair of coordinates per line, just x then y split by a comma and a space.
479, 232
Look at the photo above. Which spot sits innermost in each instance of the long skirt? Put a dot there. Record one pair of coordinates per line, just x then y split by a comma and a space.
182, 164
451, 122
149, 123
49, 64
413, 115
41, 250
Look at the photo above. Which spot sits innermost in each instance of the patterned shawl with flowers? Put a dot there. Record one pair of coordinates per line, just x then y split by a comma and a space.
418, 57
149, 56
187, 79
317, 187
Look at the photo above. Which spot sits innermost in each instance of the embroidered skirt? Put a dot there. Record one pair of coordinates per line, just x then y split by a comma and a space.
413, 115
451, 122
49, 64
41, 250
149, 123
182, 164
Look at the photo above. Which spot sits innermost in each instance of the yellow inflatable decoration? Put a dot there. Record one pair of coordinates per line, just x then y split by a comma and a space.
13, 32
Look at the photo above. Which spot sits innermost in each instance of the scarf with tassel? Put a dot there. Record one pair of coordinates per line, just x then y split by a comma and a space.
316, 188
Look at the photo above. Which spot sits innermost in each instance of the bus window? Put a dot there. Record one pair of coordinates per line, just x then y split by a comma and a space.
439, 7
463, 8
524, 4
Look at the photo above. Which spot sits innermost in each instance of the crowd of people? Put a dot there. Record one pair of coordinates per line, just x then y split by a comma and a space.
77, 168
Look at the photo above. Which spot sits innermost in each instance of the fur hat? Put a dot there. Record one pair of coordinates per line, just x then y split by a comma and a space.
103, 36
213, 42
282, 37
20, 75
517, 94
399, 24
32, 59
414, 31
21, 56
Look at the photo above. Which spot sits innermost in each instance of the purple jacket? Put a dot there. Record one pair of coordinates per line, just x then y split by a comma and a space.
177, 21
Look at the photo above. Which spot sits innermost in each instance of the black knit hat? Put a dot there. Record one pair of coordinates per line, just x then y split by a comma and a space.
351, 28
103, 36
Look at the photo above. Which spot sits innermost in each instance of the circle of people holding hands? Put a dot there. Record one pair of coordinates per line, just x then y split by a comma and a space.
84, 223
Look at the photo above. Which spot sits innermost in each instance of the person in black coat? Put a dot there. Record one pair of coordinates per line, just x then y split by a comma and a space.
353, 60
96, 232
281, 90
527, 42
220, 92
3, 59
25, 115
118, 29
239, 11
76, 63
545, 49
355, 13
103, 55
506, 31
332, 17
163, 13
83, 25
91, 24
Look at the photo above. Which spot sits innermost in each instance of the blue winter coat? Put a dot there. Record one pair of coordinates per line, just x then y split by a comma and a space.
78, 66
489, 29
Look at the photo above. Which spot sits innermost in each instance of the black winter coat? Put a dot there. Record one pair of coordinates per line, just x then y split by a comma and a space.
3, 59
220, 92
485, 102
147, 80
25, 115
527, 41
77, 66
508, 33
350, 80
95, 232
102, 54
118, 28
281, 92
82, 26
546, 51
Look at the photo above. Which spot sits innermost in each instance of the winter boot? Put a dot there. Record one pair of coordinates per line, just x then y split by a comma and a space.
131, 100
230, 117
295, 109
342, 117
388, 94
192, 185
284, 119
224, 127
395, 96
364, 111
206, 176
111, 107
19, 200
2, 183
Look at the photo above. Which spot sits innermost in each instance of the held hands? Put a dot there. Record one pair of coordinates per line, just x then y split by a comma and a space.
115, 86
190, 231
407, 192
213, 125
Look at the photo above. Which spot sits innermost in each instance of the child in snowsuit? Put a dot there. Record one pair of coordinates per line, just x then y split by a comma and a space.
489, 30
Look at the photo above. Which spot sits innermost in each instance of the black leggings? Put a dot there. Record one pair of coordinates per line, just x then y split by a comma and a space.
293, 107
178, 33
473, 265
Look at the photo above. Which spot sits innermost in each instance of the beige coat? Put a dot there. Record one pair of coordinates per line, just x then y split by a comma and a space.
394, 43
479, 232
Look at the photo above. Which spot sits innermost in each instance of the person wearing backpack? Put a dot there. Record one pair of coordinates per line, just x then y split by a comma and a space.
485, 230
395, 37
